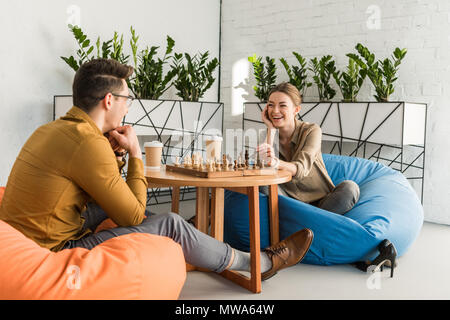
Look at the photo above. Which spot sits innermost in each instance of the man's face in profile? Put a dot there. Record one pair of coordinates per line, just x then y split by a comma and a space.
119, 106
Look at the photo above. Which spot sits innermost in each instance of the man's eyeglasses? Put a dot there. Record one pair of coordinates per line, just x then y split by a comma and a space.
130, 99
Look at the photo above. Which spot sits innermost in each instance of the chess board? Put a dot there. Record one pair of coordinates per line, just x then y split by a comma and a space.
222, 173
194, 166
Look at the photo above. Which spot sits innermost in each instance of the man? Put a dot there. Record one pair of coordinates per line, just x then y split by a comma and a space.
66, 180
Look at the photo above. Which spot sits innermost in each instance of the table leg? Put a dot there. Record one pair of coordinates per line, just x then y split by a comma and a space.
273, 215
175, 200
254, 282
217, 204
255, 247
202, 209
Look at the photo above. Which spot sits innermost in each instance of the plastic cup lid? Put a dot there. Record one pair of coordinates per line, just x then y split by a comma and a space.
214, 138
153, 144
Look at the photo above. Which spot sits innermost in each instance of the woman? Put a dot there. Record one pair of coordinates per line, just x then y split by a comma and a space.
300, 154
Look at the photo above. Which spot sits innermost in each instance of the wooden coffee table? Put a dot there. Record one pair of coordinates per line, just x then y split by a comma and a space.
248, 185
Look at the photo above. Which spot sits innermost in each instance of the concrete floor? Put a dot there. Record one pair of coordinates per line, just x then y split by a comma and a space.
422, 273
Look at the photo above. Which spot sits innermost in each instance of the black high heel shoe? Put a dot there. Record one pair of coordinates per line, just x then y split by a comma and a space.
387, 257
388, 253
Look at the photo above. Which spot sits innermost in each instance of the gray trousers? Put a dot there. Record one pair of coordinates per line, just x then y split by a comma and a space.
342, 199
199, 249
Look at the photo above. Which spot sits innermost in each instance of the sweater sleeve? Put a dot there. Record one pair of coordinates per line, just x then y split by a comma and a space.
304, 159
94, 169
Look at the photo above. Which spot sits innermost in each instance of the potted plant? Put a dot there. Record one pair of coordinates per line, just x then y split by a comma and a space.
264, 75
382, 73
194, 77
112, 49
323, 70
350, 82
298, 74
149, 81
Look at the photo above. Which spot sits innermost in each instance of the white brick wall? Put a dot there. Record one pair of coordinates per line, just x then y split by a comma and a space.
319, 27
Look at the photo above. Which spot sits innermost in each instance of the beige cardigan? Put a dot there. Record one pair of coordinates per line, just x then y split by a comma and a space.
311, 182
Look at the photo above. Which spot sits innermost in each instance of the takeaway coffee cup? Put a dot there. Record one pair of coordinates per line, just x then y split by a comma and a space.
153, 151
213, 147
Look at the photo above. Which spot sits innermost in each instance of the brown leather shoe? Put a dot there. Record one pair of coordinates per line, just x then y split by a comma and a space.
288, 252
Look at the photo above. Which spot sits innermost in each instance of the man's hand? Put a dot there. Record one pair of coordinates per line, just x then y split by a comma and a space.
126, 138
114, 144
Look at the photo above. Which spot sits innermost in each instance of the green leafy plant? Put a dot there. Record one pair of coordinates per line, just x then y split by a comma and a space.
382, 73
323, 69
117, 49
194, 77
350, 82
112, 49
84, 48
149, 81
298, 74
265, 76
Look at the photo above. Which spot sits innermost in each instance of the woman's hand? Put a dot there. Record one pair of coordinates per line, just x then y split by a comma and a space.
265, 118
267, 154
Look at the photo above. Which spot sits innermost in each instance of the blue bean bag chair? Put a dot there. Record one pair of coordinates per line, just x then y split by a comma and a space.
388, 208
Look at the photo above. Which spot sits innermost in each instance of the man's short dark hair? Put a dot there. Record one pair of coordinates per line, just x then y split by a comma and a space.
95, 79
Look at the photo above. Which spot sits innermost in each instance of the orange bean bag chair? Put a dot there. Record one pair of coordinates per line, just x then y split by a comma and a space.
133, 266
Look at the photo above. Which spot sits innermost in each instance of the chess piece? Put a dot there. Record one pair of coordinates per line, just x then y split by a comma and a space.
177, 162
226, 164
246, 157
235, 165
188, 162
195, 161
262, 164
218, 165
211, 165
195, 165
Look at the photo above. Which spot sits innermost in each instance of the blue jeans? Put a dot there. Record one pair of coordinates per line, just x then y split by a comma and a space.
199, 249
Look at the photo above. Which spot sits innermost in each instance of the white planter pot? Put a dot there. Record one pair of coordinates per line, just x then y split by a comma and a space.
390, 123
167, 121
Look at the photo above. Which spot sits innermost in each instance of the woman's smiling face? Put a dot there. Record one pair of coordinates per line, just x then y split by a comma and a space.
281, 109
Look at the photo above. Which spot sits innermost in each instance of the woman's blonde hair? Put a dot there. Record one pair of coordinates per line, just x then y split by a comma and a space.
290, 90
